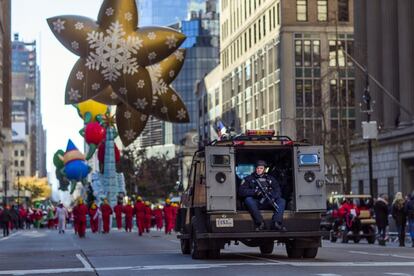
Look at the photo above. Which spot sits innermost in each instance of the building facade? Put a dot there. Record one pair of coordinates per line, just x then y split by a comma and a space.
28, 132
6, 173
384, 43
202, 56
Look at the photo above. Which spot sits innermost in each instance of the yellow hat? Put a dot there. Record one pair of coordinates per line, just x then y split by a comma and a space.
147, 203
80, 200
168, 201
93, 107
139, 198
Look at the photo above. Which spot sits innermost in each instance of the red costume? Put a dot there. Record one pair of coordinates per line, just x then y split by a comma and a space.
347, 209
158, 218
118, 215
174, 213
80, 212
168, 216
147, 218
140, 214
94, 219
106, 214
129, 213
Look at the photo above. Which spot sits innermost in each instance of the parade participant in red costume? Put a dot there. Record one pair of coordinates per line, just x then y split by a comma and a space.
129, 213
81, 210
93, 217
168, 216
118, 209
140, 214
22, 217
175, 212
350, 212
148, 216
106, 215
158, 217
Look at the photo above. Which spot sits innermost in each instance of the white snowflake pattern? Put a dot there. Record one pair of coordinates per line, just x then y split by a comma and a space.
79, 75
152, 55
164, 110
141, 103
75, 45
127, 115
181, 114
159, 87
113, 52
74, 94
179, 55
130, 134
95, 86
141, 84
113, 96
174, 98
79, 26
109, 11
151, 36
128, 16
143, 117
171, 41
123, 91
59, 25
172, 74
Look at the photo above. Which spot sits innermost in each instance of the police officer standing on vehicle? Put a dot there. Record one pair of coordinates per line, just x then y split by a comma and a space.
255, 200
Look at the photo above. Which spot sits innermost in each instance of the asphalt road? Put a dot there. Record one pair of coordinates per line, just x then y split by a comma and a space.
45, 252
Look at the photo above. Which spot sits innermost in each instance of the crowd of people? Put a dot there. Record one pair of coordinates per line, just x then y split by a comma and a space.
14, 217
401, 210
147, 216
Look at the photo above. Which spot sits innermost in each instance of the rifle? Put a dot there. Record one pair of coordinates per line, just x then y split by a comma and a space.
266, 194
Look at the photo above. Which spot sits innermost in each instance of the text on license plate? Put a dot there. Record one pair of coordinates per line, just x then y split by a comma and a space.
224, 222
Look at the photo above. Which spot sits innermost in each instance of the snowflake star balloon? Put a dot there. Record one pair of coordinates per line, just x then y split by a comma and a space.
115, 64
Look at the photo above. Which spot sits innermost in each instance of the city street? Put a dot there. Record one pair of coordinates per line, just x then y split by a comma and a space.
43, 252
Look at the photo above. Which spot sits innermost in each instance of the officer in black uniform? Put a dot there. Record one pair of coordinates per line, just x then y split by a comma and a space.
255, 200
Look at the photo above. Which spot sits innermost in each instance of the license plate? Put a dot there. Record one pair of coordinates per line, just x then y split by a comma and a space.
224, 222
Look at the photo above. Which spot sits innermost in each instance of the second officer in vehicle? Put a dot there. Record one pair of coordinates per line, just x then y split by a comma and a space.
255, 200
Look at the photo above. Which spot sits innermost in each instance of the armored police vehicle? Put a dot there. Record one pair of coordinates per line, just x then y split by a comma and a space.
212, 214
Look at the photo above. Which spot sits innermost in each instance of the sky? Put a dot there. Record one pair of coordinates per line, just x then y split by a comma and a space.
29, 20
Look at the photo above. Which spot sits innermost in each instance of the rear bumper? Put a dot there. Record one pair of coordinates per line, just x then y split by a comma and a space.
252, 235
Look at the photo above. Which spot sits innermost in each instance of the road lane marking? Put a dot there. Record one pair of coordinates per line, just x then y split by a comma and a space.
397, 274
381, 254
44, 271
328, 274
83, 261
258, 258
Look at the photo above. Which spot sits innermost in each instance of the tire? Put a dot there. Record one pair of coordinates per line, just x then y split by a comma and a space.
294, 253
310, 253
185, 246
195, 252
266, 248
214, 253
371, 239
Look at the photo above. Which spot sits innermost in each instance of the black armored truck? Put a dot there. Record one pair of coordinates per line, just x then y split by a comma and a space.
211, 213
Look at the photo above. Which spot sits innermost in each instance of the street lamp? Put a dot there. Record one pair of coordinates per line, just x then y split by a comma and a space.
18, 190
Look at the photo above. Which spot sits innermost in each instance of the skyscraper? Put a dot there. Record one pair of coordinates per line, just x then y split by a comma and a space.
28, 133
202, 56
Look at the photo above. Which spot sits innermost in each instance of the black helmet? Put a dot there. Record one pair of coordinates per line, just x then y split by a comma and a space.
261, 163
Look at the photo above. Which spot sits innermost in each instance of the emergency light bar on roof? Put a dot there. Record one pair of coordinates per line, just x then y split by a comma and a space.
260, 132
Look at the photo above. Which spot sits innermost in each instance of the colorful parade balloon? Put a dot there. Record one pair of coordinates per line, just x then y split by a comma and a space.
76, 169
115, 65
94, 135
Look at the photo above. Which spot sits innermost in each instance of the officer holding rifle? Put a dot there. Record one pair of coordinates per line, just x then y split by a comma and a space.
262, 192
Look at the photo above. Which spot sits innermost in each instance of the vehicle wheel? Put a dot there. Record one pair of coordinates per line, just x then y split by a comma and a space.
333, 236
344, 237
185, 246
195, 252
294, 253
214, 253
310, 253
371, 239
266, 248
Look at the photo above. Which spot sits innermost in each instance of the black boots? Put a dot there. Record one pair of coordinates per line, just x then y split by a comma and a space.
261, 226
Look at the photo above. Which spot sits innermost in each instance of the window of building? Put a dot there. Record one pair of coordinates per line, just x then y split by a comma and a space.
22, 163
361, 187
264, 25
278, 13
343, 10
374, 187
16, 153
16, 163
390, 184
259, 27
21, 152
301, 10
322, 10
